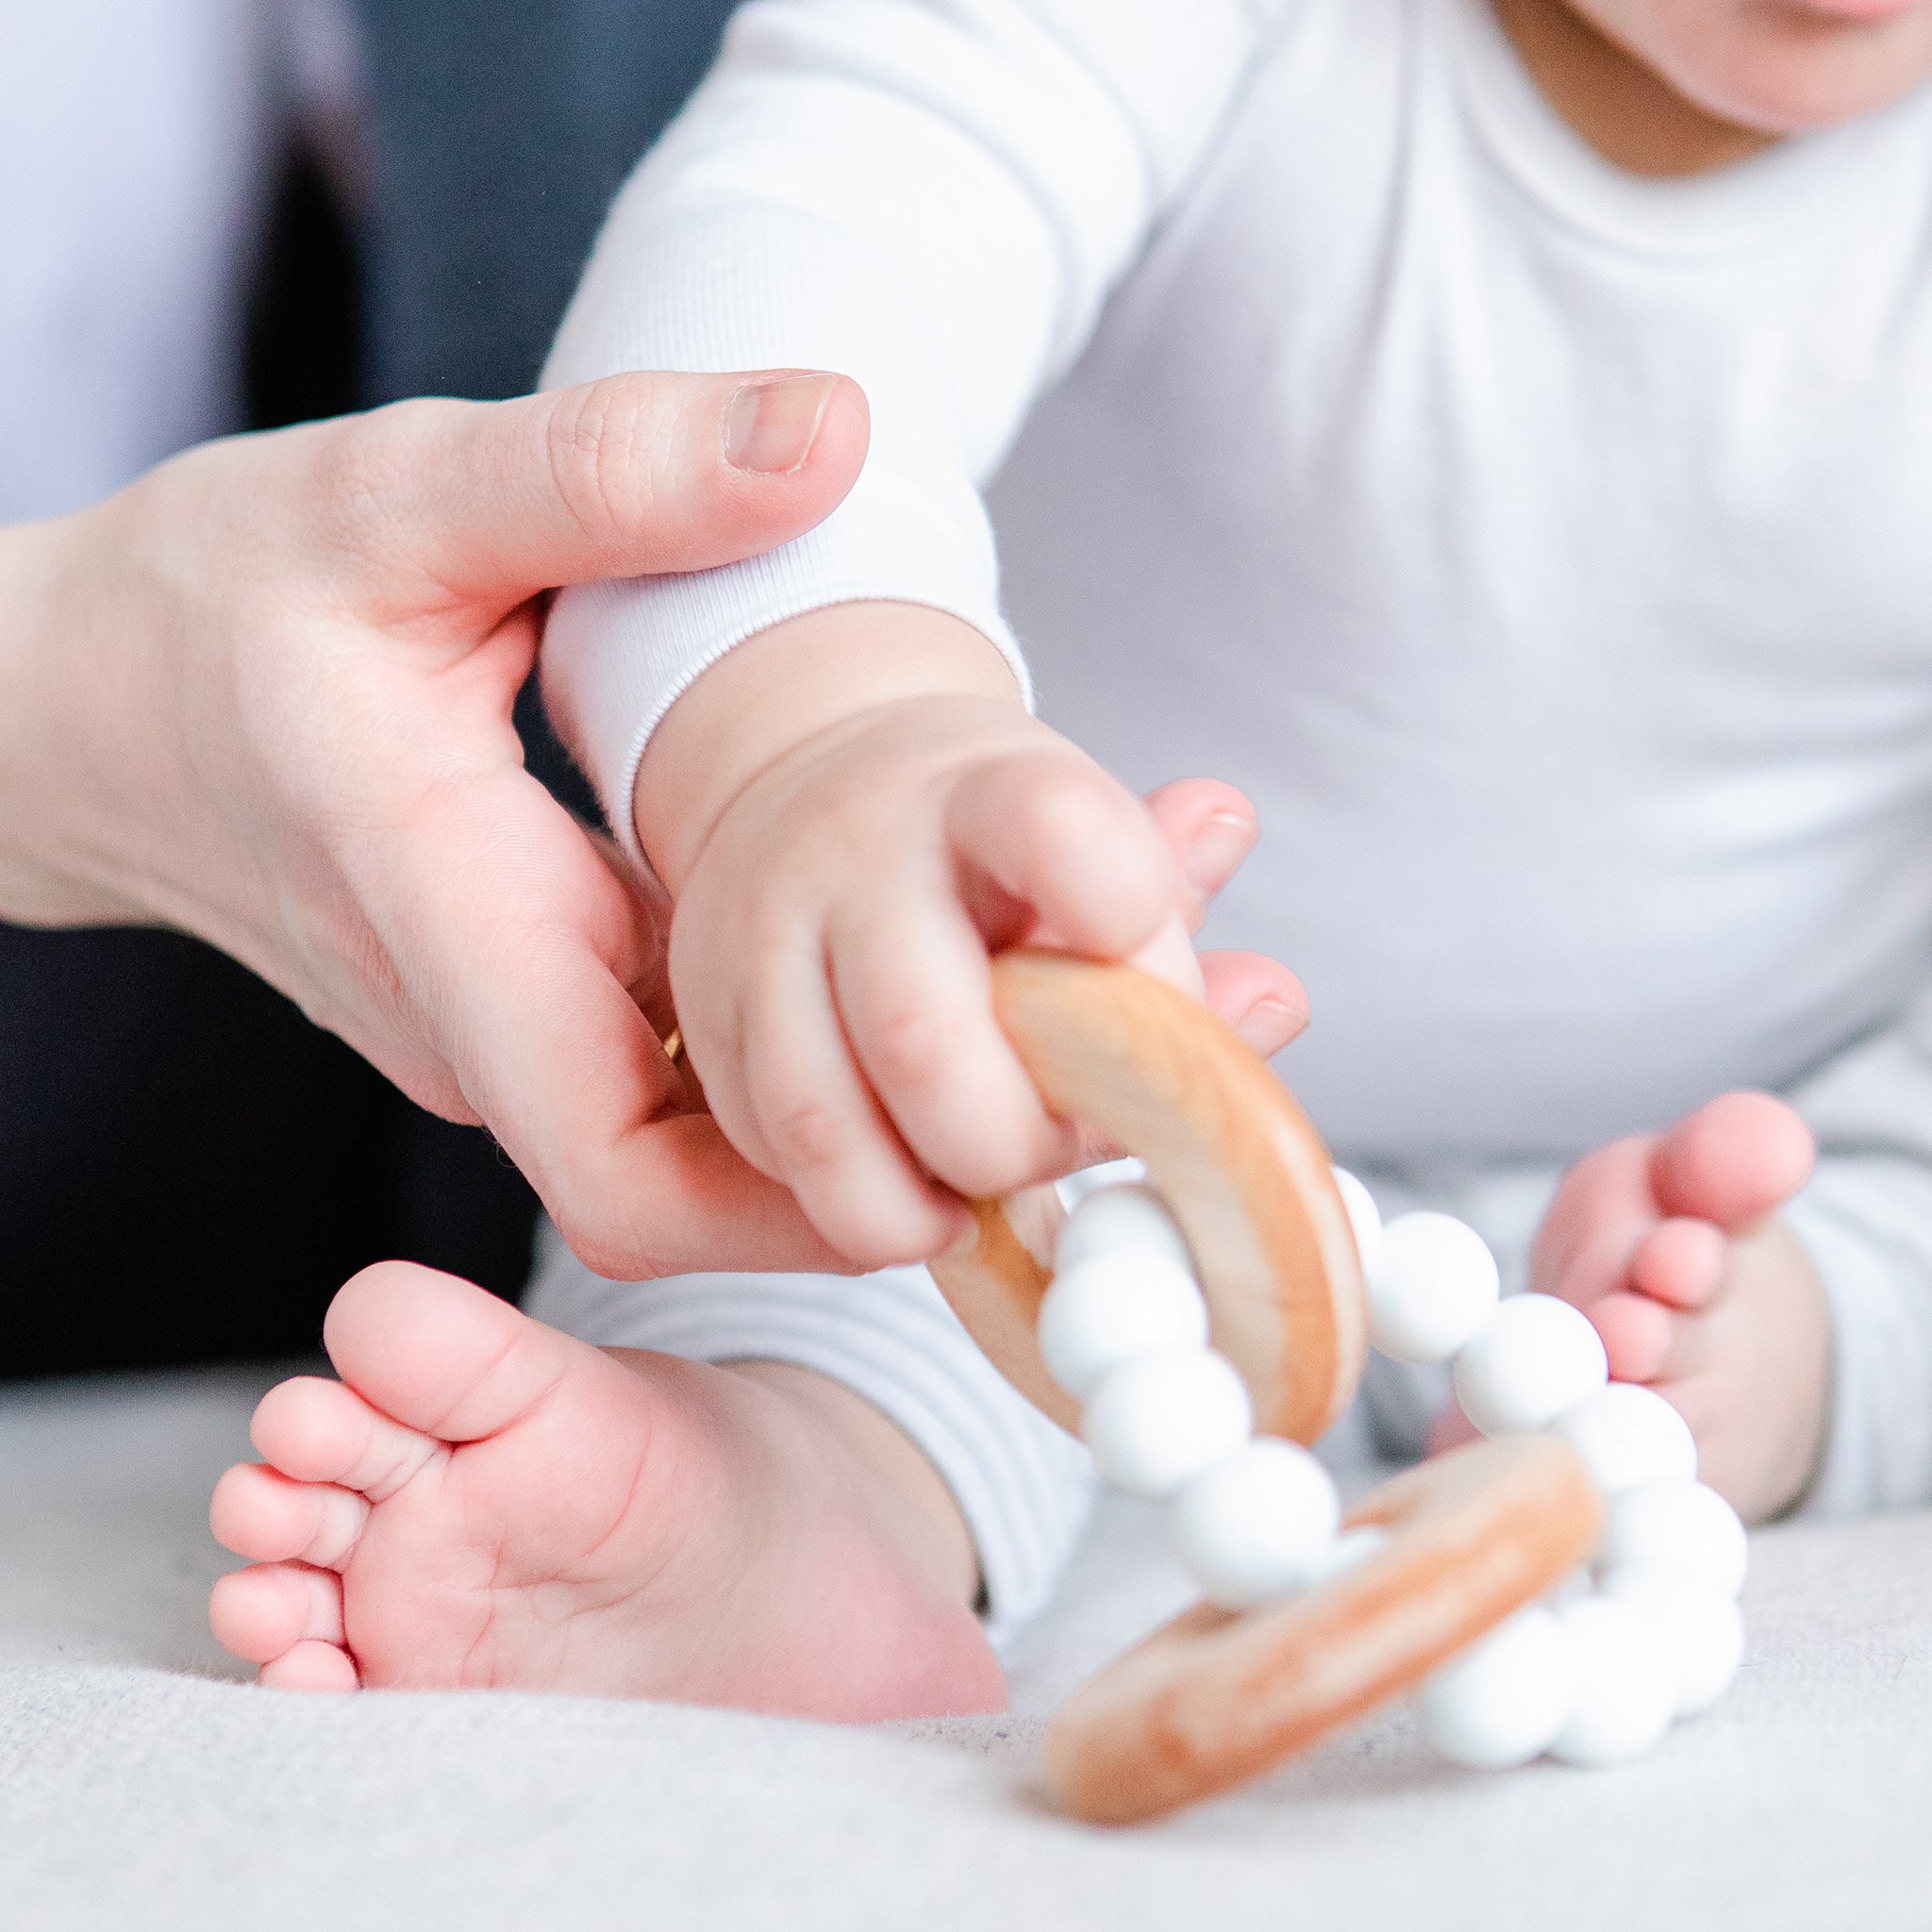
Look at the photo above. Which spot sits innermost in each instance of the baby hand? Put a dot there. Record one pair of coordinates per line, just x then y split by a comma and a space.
852, 811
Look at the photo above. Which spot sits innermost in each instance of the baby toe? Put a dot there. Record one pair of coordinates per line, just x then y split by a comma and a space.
1636, 1335
1733, 1161
317, 1431
261, 1514
311, 1666
267, 1610
1680, 1262
1602, 1210
441, 1355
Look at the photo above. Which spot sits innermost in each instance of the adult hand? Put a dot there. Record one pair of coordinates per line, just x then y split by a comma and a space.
1210, 828
264, 696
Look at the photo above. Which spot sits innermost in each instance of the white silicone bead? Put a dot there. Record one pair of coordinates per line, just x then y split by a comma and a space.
1155, 1422
1679, 1531
1362, 1216
1257, 1524
1503, 1700
1536, 1357
1112, 1307
1628, 1435
1431, 1288
1115, 1221
1622, 1695
1701, 1637
1352, 1547
1074, 1188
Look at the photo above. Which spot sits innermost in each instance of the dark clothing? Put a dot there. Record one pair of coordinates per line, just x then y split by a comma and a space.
187, 1168
504, 128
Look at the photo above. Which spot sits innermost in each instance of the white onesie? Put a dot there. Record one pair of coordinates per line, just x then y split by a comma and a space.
1544, 550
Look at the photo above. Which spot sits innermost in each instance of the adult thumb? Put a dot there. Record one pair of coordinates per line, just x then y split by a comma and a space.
627, 476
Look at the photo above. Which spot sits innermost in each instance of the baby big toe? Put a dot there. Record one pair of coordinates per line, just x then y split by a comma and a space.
264, 1515
262, 1612
1733, 1161
441, 1356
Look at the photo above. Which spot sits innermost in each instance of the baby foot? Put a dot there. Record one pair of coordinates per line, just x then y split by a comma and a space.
1671, 1244
482, 1501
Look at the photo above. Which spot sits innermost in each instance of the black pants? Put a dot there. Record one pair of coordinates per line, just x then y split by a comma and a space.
189, 1168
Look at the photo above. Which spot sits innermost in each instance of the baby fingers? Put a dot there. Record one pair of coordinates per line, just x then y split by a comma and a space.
1061, 840
805, 1109
910, 974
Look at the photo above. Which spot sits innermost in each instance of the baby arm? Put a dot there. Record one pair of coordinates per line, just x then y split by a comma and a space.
853, 805
851, 811
829, 744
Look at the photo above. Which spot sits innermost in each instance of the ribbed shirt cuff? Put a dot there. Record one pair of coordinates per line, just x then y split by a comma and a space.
618, 655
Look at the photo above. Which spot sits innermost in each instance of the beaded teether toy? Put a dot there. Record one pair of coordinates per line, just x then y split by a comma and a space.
1236, 1291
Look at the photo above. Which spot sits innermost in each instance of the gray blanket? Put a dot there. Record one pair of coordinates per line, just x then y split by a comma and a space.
142, 1785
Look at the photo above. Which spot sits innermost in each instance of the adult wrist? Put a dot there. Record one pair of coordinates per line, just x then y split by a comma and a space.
785, 686
43, 877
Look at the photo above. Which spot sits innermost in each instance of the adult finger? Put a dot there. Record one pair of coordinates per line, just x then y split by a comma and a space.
1258, 997
627, 476
529, 988
1210, 827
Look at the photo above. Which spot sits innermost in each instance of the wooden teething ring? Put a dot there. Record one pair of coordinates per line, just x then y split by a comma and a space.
1214, 1697
1236, 1159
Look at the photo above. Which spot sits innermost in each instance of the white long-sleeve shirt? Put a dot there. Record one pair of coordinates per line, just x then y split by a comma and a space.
1544, 549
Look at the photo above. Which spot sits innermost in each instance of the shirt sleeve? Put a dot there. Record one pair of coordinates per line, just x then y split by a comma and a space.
932, 196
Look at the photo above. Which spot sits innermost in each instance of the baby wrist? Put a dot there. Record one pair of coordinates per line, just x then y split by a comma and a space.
786, 686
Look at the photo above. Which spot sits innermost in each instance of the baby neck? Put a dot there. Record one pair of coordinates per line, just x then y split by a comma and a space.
1625, 111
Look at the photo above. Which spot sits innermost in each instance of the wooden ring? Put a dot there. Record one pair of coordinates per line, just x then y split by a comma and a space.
1235, 1160
1216, 1697
1213, 1698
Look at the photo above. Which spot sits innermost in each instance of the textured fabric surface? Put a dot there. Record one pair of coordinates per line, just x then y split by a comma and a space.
137, 1789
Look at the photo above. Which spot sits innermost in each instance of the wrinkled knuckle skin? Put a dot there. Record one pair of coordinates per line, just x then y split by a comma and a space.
807, 1137
912, 1053
363, 466
603, 460
602, 1238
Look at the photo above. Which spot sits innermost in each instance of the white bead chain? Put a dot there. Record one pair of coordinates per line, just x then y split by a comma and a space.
1593, 1679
